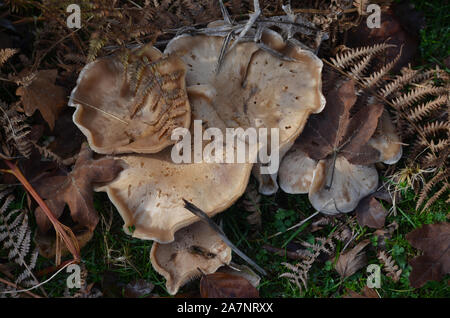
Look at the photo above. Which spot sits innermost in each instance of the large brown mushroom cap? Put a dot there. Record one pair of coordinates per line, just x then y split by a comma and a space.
254, 88
197, 250
131, 102
148, 193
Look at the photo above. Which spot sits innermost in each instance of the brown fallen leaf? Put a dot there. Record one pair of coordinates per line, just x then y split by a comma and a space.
366, 292
243, 271
68, 138
335, 132
352, 261
224, 285
371, 213
76, 190
334, 144
40, 92
47, 245
434, 241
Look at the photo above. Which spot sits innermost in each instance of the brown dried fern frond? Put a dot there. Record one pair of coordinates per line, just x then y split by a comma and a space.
389, 267
348, 57
15, 131
299, 273
15, 237
441, 177
6, 54
420, 104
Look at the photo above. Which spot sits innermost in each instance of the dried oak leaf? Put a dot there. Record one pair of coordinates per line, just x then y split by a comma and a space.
334, 132
40, 92
370, 212
75, 190
352, 261
434, 241
224, 285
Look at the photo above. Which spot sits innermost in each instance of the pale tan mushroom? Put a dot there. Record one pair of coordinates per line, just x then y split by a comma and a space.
387, 141
131, 102
296, 171
339, 190
330, 191
268, 184
196, 250
149, 192
254, 88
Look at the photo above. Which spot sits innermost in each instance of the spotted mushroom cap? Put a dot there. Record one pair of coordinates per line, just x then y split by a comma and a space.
254, 88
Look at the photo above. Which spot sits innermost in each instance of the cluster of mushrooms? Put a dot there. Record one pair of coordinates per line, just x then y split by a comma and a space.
129, 104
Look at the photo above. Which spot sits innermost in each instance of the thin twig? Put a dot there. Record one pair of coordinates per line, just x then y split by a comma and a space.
38, 285
205, 218
4, 281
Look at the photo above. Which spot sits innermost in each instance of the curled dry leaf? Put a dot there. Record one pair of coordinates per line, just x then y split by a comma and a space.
196, 250
48, 246
434, 241
387, 141
131, 102
370, 212
75, 190
352, 261
39, 91
225, 285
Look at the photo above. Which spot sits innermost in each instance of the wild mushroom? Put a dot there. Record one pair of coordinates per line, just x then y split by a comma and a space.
196, 250
255, 87
131, 102
246, 93
333, 159
150, 190
386, 141
296, 171
268, 182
